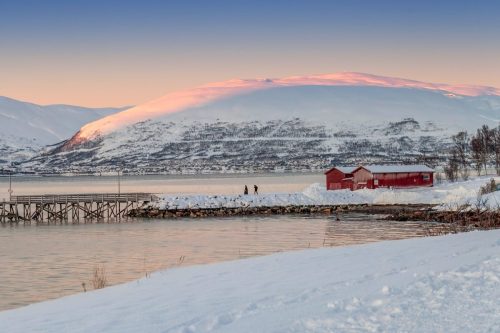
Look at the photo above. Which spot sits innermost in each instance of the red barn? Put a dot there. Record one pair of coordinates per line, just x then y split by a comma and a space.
339, 178
375, 176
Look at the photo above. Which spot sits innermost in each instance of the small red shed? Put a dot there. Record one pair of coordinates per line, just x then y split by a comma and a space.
338, 178
375, 176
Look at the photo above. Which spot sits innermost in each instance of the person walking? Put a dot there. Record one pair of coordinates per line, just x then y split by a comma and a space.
255, 189
245, 191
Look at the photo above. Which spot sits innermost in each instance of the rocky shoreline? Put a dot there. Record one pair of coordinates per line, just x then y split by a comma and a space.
480, 218
151, 212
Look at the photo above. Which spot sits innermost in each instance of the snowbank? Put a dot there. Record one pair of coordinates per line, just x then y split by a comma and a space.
490, 201
436, 284
316, 194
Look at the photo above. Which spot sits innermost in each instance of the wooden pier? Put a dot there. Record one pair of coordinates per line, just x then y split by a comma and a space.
70, 207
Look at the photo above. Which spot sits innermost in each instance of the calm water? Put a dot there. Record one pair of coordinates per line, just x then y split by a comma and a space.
217, 184
41, 262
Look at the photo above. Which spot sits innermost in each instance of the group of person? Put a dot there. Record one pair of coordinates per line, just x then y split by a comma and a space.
255, 190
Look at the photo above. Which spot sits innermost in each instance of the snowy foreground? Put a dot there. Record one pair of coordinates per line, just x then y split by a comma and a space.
447, 194
436, 284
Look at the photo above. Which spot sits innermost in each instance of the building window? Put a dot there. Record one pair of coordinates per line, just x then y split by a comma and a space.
426, 177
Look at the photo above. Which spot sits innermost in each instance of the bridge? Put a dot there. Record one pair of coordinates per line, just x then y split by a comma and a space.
70, 207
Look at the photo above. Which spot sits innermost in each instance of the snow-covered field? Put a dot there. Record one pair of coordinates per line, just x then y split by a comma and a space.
436, 284
446, 194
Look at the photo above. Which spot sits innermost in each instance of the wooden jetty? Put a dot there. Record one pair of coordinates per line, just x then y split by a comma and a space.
70, 207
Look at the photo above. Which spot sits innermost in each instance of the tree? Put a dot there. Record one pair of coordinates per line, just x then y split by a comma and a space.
476, 152
452, 166
487, 145
496, 148
460, 152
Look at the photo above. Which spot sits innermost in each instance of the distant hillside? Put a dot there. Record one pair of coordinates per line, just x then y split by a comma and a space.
301, 123
26, 127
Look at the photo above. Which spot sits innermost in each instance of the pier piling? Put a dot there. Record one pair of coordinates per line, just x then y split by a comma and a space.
62, 207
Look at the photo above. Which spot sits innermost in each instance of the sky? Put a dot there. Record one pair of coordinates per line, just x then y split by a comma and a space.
116, 53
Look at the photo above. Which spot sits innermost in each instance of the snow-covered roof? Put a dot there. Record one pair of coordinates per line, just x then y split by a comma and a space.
343, 169
397, 168
347, 169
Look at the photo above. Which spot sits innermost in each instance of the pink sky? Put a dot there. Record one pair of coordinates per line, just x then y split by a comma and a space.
115, 53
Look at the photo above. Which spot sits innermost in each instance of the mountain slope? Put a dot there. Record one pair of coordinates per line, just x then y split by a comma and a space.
244, 126
212, 93
25, 128
45, 124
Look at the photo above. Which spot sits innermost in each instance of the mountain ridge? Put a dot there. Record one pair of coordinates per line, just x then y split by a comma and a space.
212, 92
293, 124
26, 128
47, 124
292, 128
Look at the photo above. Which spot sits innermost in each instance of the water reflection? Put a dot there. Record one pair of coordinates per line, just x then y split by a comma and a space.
41, 262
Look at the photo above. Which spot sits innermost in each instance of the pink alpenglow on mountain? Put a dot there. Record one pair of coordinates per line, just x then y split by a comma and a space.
203, 95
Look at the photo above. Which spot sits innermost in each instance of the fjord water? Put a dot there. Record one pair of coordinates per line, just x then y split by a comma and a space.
173, 184
41, 262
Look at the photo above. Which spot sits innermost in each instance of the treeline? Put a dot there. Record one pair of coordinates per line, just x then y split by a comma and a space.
476, 151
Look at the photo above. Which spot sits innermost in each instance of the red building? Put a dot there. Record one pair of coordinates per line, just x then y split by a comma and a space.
375, 176
339, 178
394, 176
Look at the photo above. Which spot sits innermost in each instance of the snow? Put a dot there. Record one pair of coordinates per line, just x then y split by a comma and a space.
260, 125
211, 94
344, 169
44, 125
25, 128
316, 194
397, 168
436, 284
298, 123
489, 201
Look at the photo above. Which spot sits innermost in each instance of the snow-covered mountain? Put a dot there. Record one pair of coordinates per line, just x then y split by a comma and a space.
214, 93
296, 123
25, 128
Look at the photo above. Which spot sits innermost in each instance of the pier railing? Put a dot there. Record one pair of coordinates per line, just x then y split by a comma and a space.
90, 197
74, 207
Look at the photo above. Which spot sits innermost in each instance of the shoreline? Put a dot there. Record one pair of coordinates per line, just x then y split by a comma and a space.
482, 219
152, 212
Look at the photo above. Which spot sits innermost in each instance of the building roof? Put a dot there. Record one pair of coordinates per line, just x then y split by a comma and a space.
343, 169
396, 168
